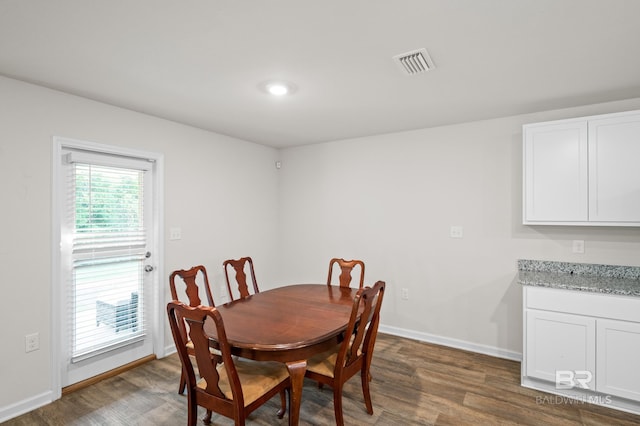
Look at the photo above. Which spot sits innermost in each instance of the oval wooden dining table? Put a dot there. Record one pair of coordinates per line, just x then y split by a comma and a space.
288, 324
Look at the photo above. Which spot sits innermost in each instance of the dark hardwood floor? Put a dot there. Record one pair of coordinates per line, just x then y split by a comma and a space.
414, 383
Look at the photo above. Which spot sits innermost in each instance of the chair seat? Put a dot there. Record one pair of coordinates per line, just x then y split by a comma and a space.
323, 363
256, 378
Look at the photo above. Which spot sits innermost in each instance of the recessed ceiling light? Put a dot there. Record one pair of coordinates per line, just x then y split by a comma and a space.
278, 88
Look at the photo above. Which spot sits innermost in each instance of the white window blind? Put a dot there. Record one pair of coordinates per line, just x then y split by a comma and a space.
106, 219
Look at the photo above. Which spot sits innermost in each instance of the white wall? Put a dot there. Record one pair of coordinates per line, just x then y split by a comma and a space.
390, 200
221, 191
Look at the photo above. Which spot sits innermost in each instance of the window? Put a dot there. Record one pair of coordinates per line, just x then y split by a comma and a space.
106, 223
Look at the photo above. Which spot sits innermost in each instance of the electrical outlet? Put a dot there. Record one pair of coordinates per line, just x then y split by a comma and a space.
578, 246
405, 294
31, 342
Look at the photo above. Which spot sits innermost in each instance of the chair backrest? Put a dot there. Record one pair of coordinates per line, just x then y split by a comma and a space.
190, 279
195, 317
241, 277
346, 268
360, 336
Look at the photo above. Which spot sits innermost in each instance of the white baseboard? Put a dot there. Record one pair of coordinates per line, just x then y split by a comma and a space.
454, 343
168, 350
25, 406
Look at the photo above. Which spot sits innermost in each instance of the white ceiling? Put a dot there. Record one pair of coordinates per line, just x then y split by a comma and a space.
200, 62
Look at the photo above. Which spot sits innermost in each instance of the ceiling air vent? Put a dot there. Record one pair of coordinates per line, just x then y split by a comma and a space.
415, 62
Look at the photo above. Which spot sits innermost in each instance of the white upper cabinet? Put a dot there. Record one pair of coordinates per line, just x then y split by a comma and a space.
555, 164
583, 171
614, 169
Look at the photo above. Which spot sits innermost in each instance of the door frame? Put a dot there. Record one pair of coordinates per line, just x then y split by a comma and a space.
157, 326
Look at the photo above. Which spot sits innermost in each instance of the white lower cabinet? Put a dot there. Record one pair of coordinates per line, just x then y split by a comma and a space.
582, 345
618, 354
559, 343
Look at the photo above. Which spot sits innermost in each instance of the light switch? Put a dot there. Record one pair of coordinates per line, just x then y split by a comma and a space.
456, 232
175, 234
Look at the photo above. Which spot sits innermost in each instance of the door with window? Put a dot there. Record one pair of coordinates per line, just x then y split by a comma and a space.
107, 258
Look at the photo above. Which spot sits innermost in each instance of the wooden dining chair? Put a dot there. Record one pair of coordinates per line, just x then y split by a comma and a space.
192, 278
239, 265
230, 386
335, 367
346, 269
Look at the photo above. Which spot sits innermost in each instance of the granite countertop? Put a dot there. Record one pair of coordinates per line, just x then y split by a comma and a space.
609, 279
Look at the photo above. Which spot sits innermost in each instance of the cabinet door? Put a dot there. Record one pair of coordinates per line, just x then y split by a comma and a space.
555, 172
614, 170
559, 342
618, 352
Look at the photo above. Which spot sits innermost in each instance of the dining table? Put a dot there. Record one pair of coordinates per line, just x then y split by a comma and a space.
288, 324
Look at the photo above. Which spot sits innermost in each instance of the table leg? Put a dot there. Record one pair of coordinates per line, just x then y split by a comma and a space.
296, 372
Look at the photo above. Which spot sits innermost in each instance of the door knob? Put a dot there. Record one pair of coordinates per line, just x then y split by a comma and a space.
148, 268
